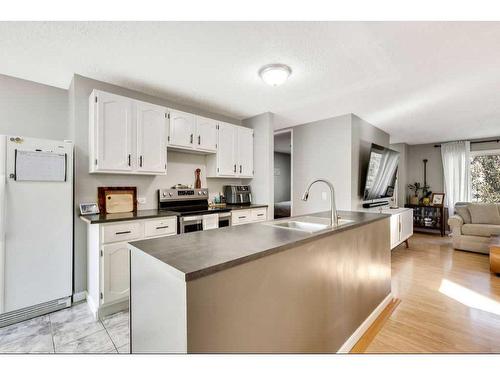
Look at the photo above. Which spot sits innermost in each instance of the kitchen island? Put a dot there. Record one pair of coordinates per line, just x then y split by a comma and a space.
260, 288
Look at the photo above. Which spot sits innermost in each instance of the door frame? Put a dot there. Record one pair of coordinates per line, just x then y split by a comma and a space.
283, 131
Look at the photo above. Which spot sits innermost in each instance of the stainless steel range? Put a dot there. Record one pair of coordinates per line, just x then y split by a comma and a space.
191, 206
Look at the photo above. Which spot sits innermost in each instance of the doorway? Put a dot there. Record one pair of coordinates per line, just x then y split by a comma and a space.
283, 148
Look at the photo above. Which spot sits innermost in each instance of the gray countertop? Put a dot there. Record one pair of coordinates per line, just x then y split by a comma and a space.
235, 207
199, 254
149, 214
125, 216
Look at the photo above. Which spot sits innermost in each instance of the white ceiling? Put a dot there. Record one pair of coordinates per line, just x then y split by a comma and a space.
419, 81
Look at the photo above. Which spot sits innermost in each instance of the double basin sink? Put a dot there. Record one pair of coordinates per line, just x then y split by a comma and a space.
309, 224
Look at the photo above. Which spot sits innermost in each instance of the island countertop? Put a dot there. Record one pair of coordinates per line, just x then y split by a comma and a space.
197, 254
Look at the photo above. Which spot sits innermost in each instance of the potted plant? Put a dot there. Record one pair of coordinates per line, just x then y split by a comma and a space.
415, 187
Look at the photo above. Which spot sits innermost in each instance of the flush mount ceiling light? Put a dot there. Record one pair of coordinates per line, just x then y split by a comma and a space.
275, 74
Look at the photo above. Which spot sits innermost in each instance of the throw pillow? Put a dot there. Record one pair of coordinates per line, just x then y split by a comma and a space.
485, 213
463, 212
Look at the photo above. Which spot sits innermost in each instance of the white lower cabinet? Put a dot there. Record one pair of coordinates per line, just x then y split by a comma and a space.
401, 225
115, 272
108, 272
239, 217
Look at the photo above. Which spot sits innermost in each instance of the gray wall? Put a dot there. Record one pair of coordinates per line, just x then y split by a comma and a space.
363, 135
31, 109
322, 149
262, 183
282, 181
435, 174
181, 166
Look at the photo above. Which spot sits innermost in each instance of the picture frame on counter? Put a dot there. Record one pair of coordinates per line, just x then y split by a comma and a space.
89, 209
437, 199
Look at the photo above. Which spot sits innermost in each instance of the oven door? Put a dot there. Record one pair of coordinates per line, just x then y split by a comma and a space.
190, 224
224, 219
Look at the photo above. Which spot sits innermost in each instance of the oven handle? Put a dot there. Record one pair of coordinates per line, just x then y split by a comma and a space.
184, 219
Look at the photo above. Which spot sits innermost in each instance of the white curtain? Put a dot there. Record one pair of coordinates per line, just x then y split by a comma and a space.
456, 166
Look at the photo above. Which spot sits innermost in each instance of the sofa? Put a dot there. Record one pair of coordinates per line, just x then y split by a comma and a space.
473, 224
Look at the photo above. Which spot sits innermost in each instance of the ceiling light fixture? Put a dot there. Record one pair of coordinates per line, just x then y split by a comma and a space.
275, 74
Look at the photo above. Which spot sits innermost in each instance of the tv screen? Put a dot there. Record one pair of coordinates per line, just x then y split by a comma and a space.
381, 173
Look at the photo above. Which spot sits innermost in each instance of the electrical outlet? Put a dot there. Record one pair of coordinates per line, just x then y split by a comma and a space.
141, 200
323, 195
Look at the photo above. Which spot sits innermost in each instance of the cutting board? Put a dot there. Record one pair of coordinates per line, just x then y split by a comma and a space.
117, 199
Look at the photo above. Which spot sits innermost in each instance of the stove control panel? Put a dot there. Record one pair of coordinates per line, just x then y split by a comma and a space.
182, 194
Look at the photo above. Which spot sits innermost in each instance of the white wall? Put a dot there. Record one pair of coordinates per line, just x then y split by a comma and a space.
262, 183
31, 109
322, 149
282, 180
181, 166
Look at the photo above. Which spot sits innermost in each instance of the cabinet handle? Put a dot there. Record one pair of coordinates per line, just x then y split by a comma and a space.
235, 168
260, 214
191, 139
240, 168
124, 232
128, 159
164, 227
199, 140
140, 161
242, 217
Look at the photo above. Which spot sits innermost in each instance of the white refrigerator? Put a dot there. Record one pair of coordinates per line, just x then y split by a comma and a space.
36, 227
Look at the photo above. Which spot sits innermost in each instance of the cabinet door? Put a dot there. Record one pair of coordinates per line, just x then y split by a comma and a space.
114, 133
181, 132
206, 134
114, 272
406, 224
151, 124
395, 236
226, 151
245, 152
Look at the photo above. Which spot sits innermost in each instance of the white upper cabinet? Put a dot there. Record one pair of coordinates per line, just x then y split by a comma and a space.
182, 129
111, 137
206, 134
245, 152
126, 136
151, 138
226, 151
234, 156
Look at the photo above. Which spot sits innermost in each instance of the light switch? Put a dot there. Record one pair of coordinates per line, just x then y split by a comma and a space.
323, 195
141, 200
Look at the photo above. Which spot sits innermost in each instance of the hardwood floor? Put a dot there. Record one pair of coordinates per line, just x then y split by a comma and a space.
450, 303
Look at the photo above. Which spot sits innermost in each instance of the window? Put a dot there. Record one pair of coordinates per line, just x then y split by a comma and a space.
485, 176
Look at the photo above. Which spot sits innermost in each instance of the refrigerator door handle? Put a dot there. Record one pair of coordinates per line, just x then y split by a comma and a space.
3, 181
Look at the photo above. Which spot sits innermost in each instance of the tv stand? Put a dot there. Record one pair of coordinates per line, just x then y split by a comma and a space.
401, 224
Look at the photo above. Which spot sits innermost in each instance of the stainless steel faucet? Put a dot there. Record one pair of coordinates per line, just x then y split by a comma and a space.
333, 208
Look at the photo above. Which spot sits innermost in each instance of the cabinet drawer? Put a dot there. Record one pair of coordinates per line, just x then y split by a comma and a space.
241, 217
162, 227
121, 232
259, 214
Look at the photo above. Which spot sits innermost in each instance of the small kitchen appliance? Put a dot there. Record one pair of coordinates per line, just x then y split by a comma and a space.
238, 194
191, 205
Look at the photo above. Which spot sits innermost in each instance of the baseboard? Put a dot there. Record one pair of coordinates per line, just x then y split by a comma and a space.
92, 307
80, 296
351, 341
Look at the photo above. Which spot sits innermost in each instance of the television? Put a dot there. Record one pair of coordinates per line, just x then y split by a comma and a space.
381, 173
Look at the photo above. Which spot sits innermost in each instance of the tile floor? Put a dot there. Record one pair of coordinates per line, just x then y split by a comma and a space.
72, 330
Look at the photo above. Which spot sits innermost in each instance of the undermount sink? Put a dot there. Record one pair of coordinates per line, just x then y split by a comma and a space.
308, 224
